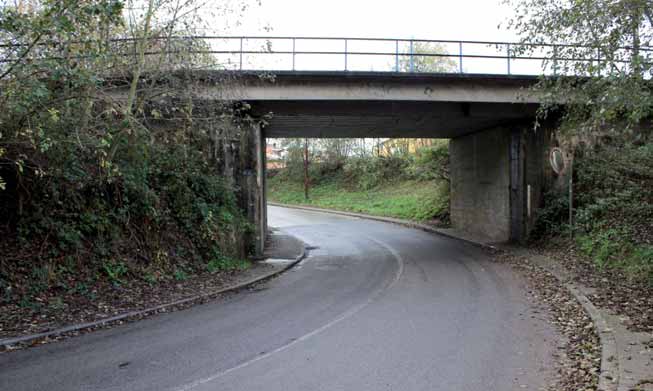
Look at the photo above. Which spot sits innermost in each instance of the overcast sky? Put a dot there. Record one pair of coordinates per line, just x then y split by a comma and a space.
434, 19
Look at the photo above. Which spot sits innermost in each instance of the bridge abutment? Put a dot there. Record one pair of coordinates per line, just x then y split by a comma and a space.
497, 182
252, 184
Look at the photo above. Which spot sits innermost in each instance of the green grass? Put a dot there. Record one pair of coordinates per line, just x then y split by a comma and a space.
413, 200
611, 248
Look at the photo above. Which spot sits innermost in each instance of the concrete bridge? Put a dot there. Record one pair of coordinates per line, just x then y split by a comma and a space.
497, 160
498, 169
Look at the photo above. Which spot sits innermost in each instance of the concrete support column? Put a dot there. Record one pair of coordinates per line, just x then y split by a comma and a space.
480, 184
262, 208
497, 182
253, 184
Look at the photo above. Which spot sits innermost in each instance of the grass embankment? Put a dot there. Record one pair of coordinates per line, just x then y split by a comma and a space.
425, 201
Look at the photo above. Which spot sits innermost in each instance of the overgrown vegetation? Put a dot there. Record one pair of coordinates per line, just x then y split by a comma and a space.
613, 211
605, 45
604, 104
402, 184
94, 190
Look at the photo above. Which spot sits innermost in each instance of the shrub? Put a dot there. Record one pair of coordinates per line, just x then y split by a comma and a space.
368, 172
431, 162
115, 271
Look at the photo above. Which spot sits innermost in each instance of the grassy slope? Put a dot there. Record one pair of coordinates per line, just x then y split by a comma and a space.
414, 200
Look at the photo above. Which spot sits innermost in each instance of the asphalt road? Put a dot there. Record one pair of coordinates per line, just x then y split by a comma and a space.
375, 306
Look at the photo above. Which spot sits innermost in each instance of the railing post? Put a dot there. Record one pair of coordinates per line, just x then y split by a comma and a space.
412, 64
460, 56
508, 56
397, 56
345, 55
293, 54
241, 54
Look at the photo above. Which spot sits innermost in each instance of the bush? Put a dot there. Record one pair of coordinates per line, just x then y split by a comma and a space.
165, 201
553, 217
431, 162
366, 173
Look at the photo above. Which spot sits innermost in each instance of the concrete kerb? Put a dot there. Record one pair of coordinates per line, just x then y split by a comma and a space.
609, 375
8, 342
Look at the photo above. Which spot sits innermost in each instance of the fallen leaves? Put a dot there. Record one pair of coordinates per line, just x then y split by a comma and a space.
580, 359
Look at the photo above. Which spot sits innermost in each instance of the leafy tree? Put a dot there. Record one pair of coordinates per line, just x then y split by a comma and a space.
423, 63
610, 92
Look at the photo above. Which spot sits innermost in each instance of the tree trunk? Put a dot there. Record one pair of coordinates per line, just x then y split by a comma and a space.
636, 22
131, 97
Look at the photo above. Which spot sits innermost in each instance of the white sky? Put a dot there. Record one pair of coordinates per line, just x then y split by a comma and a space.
434, 19
468, 20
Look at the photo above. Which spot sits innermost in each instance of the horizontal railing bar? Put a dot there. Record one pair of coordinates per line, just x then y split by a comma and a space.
395, 39
480, 56
219, 37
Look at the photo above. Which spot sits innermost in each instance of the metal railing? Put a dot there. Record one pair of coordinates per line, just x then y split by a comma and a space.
249, 53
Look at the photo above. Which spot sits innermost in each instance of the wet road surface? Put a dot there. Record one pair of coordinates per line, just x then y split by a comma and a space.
375, 306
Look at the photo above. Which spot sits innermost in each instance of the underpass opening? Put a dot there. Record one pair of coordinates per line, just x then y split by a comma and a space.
487, 183
404, 178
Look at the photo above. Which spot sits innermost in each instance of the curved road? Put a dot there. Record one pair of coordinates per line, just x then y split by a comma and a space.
375, 306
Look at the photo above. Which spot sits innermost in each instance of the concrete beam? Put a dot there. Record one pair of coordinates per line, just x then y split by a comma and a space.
324, 119
368, 104
385, 86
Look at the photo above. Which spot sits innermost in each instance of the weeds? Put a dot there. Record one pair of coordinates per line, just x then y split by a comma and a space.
115, 271
226, 264
180, 275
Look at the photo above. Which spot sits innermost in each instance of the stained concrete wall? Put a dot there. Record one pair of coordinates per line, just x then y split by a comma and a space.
480, 184
251, 189
537, 173
498, 181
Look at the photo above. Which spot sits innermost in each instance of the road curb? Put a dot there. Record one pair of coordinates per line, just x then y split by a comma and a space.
609, 375
8, 342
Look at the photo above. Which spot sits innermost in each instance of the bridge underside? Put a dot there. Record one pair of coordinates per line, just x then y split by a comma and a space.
369, 118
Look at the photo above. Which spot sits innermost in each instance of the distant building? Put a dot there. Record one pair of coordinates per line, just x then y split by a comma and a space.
274, 156
394, 146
